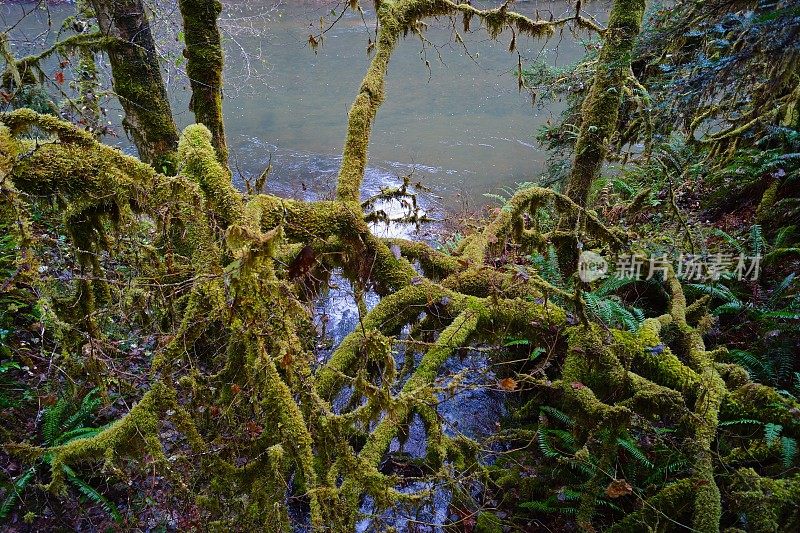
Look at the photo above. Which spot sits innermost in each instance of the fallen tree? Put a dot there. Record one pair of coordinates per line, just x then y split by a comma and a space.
221, 276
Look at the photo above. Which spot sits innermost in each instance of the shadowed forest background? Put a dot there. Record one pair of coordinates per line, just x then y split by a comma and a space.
320, 266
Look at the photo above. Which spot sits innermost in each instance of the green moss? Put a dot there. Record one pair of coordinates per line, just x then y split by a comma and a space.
205, 61
199, 162
488, 523
600, 109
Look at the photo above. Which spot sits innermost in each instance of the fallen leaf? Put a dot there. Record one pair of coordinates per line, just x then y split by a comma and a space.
618, 488
508, 384
577, 385
59, 76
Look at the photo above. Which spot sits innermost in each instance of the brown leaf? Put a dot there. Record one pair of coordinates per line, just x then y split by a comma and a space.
577, 385
508, 384
618, 488
236, 389
253, 429
59, 76
302, 263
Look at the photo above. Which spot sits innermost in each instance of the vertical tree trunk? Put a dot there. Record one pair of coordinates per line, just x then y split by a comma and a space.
137, 81
204, 67
87, 75
600, 110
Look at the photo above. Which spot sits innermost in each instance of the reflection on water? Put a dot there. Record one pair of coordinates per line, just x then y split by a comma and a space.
458, 122
460, 125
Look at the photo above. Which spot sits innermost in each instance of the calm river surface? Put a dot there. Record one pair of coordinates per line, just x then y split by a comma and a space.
461, 126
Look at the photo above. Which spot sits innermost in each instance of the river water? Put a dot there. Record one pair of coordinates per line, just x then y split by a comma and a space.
458, 122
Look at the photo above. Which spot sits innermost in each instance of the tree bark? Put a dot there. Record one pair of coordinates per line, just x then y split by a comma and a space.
88, 84
137, 81
205, 60
600, 110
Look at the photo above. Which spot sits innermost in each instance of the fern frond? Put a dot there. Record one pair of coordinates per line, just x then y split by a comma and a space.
778, 291
78, 433
15, 492
92, 494
788, 451
731, 240
52, 418
635, 451
729, 308
755, 366
561, 416
772, 432
587, 469
784, 315
739, 421
540, 506
783, 237
567, 438
756, 240
611, 284
545, 446
553, 269
89, 404
717, 291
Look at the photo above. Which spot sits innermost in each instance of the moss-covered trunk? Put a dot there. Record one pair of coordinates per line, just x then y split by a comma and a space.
204, 67
601, 108
88, 84
137, 80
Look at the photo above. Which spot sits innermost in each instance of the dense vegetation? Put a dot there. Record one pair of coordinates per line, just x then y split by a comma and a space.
162, 368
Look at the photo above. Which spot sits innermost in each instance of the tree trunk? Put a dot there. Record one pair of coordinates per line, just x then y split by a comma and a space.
88, 84
204, 67
600, 110
599, 116
137, 81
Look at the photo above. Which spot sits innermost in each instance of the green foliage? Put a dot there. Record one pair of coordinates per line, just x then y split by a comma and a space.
772, 432
772, 311
788, 451
92, 494
601, 303
15, 492
628, 445
62, 423
548, 267
611, 310
558, 415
